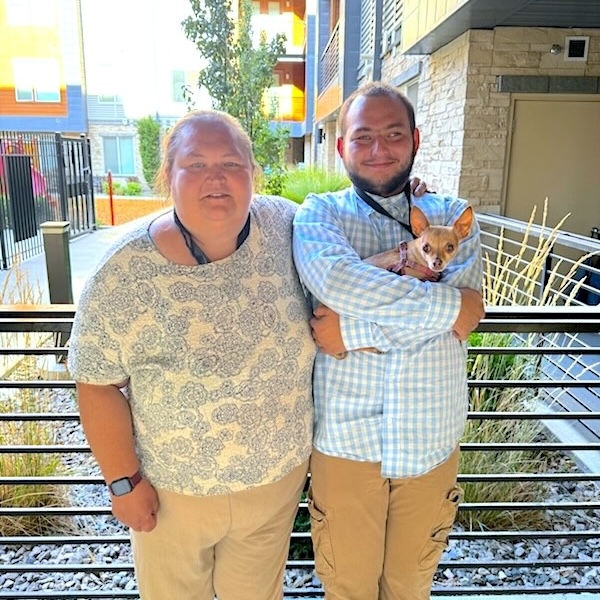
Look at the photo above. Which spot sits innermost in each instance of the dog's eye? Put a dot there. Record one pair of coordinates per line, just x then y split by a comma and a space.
450, 247
426, 248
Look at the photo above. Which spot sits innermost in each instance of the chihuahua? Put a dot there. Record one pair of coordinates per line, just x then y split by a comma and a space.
426, 256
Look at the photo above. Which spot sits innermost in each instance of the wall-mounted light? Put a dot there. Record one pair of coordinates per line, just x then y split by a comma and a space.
321, 136
555, 49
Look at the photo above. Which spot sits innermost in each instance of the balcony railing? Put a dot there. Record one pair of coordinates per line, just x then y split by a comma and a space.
97, 554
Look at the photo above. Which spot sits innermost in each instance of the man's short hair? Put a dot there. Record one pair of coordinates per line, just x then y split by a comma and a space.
374, 89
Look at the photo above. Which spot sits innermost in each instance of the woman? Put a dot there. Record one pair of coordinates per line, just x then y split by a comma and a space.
193, 356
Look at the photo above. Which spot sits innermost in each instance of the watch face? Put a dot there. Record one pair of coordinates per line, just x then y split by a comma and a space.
121, 487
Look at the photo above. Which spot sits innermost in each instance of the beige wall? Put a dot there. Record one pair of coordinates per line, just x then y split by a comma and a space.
465, 121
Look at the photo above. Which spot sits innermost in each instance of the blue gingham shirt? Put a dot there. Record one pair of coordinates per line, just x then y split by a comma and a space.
406, 407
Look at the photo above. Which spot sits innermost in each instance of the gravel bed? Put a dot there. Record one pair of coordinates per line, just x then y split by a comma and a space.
114, 555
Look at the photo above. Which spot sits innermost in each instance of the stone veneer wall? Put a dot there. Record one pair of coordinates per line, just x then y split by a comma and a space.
463, 119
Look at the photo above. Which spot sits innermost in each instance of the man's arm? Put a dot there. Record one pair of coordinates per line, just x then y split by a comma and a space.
107, 424
375, 307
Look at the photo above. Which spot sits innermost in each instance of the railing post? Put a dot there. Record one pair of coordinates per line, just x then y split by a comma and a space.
58, 269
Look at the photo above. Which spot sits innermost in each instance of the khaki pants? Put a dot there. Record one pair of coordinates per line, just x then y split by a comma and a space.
377, 538
234, 545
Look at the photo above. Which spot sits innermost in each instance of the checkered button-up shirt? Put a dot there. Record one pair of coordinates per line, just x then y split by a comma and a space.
407, 406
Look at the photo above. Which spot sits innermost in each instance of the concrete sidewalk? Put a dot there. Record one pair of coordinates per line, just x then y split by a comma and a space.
85, 253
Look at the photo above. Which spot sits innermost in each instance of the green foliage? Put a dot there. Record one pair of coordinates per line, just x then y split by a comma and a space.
237, 74
149, 137
130, 188
501, 399
301, 549
300, 182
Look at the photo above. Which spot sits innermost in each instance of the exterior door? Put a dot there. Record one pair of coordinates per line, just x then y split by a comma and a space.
555, 153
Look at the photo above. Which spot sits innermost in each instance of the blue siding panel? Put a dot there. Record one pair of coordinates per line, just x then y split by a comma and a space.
74, 122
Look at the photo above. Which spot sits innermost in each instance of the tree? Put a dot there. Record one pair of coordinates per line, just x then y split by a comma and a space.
149, 135
237, 75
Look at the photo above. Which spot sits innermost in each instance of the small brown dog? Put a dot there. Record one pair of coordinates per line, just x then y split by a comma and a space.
426, 256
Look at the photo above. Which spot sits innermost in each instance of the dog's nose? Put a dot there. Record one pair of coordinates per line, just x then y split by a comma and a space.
437, 263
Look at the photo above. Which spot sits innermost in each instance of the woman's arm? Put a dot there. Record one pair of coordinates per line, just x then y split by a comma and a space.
107, 424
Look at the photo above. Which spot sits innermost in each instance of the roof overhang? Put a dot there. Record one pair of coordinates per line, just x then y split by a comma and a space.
488, 14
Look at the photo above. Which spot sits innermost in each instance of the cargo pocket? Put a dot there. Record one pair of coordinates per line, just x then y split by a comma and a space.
319, 527
438, 541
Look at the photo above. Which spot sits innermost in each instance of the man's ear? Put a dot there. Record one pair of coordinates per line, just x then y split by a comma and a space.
339, 144
416, 140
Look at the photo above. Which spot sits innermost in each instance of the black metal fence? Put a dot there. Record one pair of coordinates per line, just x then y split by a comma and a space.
567, 528
43, 177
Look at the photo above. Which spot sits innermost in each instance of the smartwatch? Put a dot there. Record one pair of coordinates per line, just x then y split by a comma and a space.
120, 487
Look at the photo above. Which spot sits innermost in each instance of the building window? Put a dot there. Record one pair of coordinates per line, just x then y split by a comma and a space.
31, 13
178, 85
118, 155
266, 7
109, 99
36, 79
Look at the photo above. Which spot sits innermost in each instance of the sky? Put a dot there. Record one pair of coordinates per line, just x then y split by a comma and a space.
129, 43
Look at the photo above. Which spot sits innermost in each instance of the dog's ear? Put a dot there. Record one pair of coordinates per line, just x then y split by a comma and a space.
418, 221
463, 223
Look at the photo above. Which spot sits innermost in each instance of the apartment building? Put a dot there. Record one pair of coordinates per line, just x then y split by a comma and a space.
42, 74
507, 95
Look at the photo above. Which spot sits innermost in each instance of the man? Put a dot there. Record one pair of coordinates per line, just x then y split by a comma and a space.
383, 494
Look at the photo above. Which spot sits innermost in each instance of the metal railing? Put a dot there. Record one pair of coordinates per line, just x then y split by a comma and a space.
43, 177
565, 275
528, 331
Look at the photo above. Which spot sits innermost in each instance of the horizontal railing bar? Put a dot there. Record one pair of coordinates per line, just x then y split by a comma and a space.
296, 564
34, 351
533, 446
55, 480
63, 595
558, 350
492, 416
533, 416
463, 477
566, 477
479, 383
504, 590
36, 311
39, 416
91, 540
534, 383
37, 384
487, 446
537, 326
42, 449
70, 511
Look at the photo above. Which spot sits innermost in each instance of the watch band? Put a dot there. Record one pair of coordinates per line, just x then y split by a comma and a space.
124, 485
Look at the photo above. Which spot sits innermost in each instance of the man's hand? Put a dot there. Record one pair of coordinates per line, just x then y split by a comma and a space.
417, 187
326, 331
139, 508
471, 312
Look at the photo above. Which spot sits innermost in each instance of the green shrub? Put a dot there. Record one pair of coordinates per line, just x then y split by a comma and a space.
132, 188
149, 137
299, 183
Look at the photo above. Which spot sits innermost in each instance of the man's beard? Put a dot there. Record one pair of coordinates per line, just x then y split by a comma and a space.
392, 186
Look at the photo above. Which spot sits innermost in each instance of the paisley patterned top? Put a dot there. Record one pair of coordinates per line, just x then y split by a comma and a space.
218, 356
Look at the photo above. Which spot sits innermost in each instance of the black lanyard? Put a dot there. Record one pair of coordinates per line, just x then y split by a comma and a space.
195, 250
376, 206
